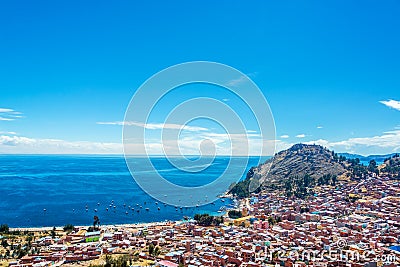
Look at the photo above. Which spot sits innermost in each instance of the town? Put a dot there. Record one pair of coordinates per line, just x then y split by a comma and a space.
351, 224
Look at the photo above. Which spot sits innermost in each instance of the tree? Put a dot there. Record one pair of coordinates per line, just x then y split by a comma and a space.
271, 221
4, 243
4, 229
157, 251
207, 220
334, 180
151, 249
372, 167
53, 232
96, 221
68, 228
234, 214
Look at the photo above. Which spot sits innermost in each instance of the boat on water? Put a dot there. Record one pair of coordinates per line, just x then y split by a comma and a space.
222, 209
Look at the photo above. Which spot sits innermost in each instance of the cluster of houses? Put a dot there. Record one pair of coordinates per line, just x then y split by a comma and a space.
351, 224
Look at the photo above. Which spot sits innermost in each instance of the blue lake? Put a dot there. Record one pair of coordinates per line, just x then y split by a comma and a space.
53, 190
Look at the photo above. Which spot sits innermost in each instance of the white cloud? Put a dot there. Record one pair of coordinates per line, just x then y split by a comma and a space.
189, 143
156, 126
6, 119
190, 139
387, 142
391, 103
244, 144
241, 79
237, 81
285, 136
320, 127
300, 135
25, 145
8, 114
4, 110
12, 133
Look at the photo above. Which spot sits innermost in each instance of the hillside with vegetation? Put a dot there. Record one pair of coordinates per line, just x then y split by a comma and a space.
299, 169
391, 167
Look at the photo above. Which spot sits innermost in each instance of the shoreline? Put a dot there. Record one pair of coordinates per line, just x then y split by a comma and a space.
60, 228
127, 225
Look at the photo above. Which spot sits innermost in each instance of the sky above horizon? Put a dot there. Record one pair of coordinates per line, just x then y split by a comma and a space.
328, 69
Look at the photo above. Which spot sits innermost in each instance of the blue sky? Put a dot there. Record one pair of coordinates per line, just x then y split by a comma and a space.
324, 66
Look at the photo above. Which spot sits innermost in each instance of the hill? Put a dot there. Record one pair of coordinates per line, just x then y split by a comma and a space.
299, 160
391, 167
298, 169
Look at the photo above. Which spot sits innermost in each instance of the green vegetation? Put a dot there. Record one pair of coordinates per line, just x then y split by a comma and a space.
373, 167
235, 214
300, 187
121, 261
15, 244
4, 229
357, 170
327, 179
392, 167
241, 189
68, 228
304, 209
272, 221
4, 243
154, 251
208, 220
53, 232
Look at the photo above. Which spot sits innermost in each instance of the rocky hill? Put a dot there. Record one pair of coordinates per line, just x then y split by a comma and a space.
313, 161
300, 160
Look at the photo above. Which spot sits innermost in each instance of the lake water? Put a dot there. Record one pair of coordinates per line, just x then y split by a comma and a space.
53, 190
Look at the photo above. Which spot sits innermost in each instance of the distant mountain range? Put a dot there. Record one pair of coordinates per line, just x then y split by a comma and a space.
378, 158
